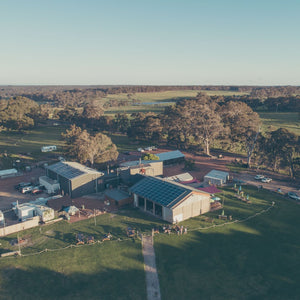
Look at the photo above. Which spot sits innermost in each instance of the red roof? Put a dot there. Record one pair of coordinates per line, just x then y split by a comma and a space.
210, 189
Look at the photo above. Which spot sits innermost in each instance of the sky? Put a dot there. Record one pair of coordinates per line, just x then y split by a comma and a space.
157, 42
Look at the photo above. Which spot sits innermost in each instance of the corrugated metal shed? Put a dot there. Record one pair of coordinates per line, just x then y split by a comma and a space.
161, 191
170, 155
215, 174
71, 170
181, 177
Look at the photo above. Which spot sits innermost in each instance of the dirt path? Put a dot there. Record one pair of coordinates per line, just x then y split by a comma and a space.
153, 290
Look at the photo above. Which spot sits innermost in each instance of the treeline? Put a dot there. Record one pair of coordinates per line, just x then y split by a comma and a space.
78, 96
200, 124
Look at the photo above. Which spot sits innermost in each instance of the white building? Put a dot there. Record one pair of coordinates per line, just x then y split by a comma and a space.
27, 211
52, 186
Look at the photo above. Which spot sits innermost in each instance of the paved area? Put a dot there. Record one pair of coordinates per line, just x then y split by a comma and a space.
153, 290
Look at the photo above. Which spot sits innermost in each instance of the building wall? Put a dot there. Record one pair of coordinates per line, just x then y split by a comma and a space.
193, 206
51, 188
20, 226
84, 185
214, 181
65, 185
167, 214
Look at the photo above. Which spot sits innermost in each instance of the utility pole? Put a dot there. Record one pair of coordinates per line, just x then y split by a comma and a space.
95, 217
19, 245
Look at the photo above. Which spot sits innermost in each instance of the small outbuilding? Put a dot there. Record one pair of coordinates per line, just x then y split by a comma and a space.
51, 186
8, 173
119, 197
216, 177
170, 201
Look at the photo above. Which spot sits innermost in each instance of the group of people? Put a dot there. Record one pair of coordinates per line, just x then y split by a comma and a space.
178, 229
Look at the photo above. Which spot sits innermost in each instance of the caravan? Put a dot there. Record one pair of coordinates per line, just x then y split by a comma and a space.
48, 148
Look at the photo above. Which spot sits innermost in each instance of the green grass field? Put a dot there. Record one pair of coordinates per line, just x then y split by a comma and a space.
273, 121
257, 259
162, 99
32, 141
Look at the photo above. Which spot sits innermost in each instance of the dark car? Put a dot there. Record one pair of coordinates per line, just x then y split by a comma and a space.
21, 185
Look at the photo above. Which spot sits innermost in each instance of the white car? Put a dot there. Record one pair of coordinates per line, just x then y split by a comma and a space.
140, 150
266, 180
294, 196
259, 177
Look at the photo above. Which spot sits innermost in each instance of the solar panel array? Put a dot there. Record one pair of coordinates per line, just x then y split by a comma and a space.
162, 192
65, 170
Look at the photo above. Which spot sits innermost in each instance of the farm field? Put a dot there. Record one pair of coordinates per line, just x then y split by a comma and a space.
157, 101
287, 120
256, 259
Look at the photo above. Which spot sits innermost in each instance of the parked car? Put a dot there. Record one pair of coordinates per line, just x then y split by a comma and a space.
294, 196
266, 180
37, 190
259, 177
21, 185
140, 150
148, 149
26, 189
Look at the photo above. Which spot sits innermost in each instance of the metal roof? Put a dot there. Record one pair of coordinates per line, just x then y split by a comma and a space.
161, 191
72, 170
8, 172
117, 195
181, 177
170, 155
217, 174
137, 163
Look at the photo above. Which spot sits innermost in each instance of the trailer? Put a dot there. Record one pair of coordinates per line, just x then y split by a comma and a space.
48, 148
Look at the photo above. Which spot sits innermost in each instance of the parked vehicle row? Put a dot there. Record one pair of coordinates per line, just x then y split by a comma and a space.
263, 178
27, 188
150, 148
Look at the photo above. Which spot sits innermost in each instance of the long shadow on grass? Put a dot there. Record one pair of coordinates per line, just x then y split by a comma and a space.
258, 259
41, 283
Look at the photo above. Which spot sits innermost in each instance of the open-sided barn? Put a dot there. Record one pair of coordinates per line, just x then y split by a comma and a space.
75, 179
170, 201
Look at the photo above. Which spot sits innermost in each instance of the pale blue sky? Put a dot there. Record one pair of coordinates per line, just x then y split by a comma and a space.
150, 42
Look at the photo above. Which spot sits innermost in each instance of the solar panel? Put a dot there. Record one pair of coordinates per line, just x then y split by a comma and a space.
65, 170
160, 191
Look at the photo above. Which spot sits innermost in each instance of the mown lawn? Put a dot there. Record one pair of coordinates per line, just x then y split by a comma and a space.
109, 270
257, 259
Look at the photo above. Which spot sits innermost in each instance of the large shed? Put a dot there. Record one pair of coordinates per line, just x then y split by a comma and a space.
170, 201
216, 177
171, 157
75, 179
